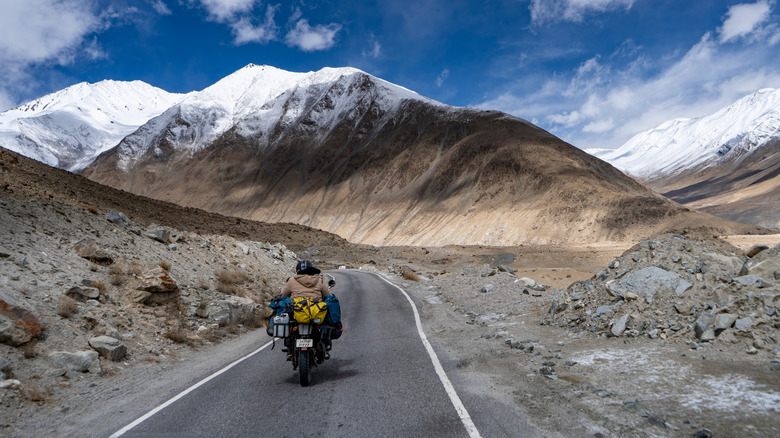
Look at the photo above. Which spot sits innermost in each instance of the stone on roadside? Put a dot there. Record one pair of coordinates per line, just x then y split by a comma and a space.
233, 310
723, 321
743, 323
157, 280
704, 328
81, 361
83, 294
160, 234
159, 286
620, 326
507, 269
487, 288
108, 347
118, 218
89, 249
17, 324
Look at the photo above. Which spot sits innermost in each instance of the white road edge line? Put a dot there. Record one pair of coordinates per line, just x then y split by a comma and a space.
185, 392
465, 418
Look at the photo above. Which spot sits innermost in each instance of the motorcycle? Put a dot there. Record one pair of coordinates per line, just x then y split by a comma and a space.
306, 344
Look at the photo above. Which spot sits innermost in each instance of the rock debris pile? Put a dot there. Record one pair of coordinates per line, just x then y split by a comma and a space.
693, 287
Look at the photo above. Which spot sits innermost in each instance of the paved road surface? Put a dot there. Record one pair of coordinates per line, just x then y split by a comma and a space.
380, 381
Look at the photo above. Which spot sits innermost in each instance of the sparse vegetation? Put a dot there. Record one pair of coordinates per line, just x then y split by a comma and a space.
117, 279
32, 392
165, 265
29, 350
99, 285
92, 210
204, 284
67, 306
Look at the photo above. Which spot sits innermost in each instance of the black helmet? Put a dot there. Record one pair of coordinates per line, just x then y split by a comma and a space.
306, 268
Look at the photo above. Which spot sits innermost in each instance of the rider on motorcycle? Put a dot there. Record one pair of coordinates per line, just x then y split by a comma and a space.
307, 283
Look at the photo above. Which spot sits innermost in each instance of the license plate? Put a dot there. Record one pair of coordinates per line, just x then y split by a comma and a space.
304, 343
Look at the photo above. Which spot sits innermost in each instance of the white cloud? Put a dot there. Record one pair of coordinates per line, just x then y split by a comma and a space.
442, 77
310, 39
246, 32
544, 11
161, 7
744, 19
375, 51
43, 30
225, 11
600, 104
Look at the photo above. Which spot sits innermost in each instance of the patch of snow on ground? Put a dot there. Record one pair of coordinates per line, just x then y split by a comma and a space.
726, 393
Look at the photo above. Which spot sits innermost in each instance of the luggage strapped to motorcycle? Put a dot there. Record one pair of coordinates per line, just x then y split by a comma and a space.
309, 310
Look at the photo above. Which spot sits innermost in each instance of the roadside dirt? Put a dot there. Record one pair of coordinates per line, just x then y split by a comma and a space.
579, 383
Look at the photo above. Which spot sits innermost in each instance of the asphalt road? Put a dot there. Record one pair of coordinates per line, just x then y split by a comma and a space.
380, 381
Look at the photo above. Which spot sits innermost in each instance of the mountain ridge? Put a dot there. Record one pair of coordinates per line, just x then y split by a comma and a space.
726, 163
379, 166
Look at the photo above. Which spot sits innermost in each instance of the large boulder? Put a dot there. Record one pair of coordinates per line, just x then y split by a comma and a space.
118, 218
108, 347
647, 282
17, 324
156, 287
157, 280
233, 310
90, 250
81, 361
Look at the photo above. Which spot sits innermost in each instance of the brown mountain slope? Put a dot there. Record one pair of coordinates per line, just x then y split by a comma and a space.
425, 176
22, 178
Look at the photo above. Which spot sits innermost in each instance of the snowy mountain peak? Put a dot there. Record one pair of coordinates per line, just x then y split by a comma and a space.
70, 127
683, 144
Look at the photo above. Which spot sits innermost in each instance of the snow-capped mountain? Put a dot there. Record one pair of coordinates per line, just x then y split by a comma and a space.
261, 102
69, 128
680, 145
726, 163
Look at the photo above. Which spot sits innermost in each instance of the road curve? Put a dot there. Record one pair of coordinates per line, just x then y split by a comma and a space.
380, 381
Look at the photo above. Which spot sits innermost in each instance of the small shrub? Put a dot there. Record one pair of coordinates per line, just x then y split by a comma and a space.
29, 350
232, 277
115, 269
67, 306
94, 267
204, 284
92, 210
117, 279
227, 289
99, 285
165, 265
32, 392
411, 275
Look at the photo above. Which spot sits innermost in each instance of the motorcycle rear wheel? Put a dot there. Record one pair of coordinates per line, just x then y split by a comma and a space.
304, 368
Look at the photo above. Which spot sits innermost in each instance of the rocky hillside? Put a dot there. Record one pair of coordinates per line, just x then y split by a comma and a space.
377, 164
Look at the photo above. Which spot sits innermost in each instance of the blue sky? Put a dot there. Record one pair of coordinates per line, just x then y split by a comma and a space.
593, 72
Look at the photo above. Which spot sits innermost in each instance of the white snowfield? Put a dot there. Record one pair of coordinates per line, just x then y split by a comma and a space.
682, 144
70, 128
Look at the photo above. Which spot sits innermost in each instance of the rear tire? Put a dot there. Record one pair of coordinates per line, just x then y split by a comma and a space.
304, 367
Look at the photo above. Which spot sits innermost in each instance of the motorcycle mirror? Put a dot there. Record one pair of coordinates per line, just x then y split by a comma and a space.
331, 283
